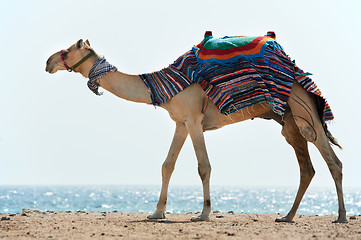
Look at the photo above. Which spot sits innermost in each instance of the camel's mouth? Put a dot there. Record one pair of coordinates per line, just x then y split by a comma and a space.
50, 67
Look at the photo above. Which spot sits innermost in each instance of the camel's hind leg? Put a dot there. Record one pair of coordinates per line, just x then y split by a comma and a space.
298, 142
306, 117
195, 130
335, 166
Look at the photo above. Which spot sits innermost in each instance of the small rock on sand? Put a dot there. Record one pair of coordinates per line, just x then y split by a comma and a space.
31, 211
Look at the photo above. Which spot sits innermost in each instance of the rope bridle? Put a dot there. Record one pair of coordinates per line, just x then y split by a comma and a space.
70, 69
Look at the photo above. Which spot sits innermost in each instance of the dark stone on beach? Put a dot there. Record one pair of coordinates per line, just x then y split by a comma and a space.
230, 234
125, 226
220, 216
353, 217
115, 211
5, 219
255, 220
216, 211
12, 215
231, 212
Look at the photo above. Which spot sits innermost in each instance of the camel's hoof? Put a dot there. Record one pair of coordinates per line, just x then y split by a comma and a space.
341, 220
157, 215
202, 217
284, 219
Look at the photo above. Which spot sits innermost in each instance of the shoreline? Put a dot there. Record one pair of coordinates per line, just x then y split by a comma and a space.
123, 225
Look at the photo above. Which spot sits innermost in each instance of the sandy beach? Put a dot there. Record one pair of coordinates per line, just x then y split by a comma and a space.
117, 225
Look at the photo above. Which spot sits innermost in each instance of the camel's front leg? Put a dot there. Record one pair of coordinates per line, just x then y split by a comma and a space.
180, 136
195, 130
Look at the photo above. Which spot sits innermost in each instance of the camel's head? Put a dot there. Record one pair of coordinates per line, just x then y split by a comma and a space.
70, 58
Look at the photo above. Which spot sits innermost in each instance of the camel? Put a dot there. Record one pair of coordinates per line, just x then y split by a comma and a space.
194, 114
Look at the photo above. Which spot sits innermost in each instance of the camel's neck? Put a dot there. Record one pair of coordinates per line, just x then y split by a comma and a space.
129, 87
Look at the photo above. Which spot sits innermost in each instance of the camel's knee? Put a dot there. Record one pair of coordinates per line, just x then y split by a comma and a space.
335, 166
204, 171
333, 163
328, 154
167, 167
338, 163
307, 174
306, 168
336, 171
311, 172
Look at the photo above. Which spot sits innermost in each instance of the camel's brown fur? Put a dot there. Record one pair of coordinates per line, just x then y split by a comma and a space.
193, 115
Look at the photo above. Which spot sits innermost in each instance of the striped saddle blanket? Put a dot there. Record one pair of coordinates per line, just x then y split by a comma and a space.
237, 79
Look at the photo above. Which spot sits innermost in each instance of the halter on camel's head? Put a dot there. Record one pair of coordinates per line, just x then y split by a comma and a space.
75, 56
71, 58
72, 68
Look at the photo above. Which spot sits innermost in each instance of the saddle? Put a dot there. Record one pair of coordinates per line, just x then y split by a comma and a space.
231, 49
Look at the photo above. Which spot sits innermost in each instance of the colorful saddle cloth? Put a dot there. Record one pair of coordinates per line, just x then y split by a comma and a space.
236, 79
231, 49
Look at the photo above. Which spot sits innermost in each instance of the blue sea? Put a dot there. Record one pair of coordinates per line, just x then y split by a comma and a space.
181, 199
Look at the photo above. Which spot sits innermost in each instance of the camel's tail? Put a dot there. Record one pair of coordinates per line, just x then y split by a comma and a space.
330, 137
320, 102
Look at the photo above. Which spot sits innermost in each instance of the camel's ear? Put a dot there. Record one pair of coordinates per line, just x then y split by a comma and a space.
87, 42
80, 44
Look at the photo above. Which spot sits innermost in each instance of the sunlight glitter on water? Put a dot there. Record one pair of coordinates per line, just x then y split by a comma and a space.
180, 199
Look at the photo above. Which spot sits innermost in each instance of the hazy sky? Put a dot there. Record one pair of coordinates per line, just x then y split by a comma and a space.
54, 130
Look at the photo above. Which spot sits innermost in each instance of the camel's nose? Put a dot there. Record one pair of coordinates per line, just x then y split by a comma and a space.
47, 67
